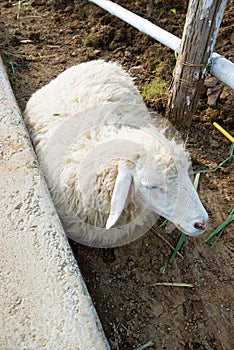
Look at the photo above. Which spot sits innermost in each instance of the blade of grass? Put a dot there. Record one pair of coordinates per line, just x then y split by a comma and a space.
177, 248
230, 155
10, 62
174, 284
154, 230
182, 236
146, 345
163, 223
220, 229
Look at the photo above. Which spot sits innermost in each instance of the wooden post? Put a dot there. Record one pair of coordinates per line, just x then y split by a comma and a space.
201, 28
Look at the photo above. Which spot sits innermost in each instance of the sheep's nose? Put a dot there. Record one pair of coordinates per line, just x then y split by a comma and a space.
200, 226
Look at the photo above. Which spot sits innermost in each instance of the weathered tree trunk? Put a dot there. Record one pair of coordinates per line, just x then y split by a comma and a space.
199, 36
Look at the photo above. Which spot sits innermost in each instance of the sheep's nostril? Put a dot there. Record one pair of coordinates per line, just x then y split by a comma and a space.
200, 225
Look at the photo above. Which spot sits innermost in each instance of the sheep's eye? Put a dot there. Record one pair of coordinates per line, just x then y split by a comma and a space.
151, 187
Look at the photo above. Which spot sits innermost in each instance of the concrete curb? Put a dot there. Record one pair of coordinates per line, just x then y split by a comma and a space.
44, 303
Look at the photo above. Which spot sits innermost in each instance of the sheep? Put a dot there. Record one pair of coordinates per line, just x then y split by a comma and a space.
109, 167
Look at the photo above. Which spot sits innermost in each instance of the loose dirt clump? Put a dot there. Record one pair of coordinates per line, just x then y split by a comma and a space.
37, 42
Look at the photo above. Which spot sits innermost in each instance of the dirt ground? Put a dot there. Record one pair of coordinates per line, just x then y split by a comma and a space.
37, 42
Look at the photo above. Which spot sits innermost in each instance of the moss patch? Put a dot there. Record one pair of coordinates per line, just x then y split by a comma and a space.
156, 91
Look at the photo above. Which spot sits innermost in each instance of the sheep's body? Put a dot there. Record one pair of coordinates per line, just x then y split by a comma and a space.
85, 124
81, 88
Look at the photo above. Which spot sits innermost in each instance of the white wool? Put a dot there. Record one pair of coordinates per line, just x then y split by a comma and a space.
81, 88
78, 123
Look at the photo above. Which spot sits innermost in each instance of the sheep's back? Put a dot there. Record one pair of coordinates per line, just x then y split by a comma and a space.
79, 88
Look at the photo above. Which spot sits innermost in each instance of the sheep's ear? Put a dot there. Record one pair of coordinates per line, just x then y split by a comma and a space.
119, 196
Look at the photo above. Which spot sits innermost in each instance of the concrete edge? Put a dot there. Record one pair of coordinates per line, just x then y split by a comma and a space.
44, 302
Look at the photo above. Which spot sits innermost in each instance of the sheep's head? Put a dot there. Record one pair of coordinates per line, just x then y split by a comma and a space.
120, 166
117, 179
167, 191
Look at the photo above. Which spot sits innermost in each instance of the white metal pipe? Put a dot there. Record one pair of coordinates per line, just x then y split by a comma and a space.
143, 25
221, 68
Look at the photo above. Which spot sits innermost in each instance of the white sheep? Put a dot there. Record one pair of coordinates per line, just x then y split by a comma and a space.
110, 169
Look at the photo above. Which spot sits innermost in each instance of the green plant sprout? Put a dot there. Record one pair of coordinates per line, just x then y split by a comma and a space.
182, 236
147, 345
10, 62
178, 247
230, 155
220, 229
216, 234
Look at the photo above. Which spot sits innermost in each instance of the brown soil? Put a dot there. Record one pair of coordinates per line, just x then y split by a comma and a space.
41, 43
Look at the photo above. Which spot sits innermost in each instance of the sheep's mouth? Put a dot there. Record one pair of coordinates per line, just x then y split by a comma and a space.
195, 233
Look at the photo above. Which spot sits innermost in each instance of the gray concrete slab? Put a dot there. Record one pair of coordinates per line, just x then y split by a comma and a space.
44, 302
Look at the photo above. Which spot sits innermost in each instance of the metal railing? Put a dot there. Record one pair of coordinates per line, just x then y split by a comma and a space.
220, 67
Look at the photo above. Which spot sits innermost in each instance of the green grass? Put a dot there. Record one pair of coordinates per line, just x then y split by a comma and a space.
213, 238
229, 157
10, 62
152, 90
182, 236
158, 86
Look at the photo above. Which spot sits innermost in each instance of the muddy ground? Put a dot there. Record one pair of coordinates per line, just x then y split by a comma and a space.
37, 42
